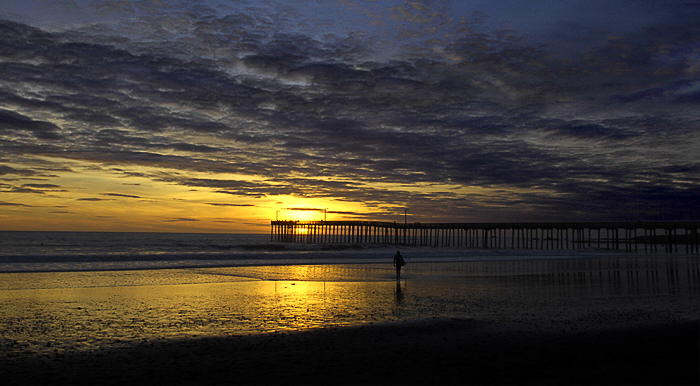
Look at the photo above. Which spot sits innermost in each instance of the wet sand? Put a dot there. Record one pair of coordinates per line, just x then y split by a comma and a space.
626, 320
440, 351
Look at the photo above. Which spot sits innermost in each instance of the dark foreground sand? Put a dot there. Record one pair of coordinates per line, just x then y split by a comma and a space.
426, 352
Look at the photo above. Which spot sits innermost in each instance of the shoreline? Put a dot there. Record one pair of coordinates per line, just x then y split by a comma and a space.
100, 263
434, 351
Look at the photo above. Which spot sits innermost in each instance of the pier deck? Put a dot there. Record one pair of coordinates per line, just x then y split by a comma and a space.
630, 236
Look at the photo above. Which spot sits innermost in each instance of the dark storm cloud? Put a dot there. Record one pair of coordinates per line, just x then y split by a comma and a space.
42, 186
188, 147
15, 122
133, 157
634, 202
112, 137
3, 203
590, 131
292, 186
120, 195
347, 213
94, 199
482, 109
224, 204
10, 170
8, 188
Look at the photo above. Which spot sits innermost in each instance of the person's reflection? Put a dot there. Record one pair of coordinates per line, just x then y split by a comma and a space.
398, 293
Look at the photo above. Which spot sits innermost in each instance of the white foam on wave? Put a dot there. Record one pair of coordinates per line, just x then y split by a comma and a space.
369, 256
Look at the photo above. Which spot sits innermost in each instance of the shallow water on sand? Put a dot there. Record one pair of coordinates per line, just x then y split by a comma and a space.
43, 313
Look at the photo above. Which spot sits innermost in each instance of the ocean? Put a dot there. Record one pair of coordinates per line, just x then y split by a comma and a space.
70, 251
90, 251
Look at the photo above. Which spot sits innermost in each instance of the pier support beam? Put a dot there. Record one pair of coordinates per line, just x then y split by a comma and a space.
676, 236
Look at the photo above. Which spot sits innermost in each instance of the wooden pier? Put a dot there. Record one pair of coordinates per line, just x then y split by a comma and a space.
628, 236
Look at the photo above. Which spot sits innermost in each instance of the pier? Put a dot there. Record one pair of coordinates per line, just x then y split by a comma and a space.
628, 236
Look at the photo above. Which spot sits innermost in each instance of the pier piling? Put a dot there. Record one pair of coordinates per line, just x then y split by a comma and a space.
627, 236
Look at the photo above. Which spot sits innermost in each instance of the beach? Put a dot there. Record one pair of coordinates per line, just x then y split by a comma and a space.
448, 351
615, 319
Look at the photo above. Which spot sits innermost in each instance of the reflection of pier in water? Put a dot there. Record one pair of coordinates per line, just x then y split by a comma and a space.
629, 236
620, 275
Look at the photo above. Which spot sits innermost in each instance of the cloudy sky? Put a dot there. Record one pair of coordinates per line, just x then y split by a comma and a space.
218, 116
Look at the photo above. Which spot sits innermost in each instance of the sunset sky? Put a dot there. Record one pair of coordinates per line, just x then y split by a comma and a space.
218, 116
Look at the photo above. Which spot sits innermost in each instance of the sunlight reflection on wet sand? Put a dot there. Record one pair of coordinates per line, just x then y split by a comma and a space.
91, 311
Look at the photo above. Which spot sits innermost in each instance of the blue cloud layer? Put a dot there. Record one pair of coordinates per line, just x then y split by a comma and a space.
606, 131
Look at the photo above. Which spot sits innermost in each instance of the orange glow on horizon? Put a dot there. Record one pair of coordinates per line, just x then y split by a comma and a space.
90, 198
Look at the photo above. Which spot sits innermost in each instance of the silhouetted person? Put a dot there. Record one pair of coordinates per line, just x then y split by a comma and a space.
398, 263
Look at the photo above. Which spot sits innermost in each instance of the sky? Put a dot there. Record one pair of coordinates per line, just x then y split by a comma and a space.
219, 116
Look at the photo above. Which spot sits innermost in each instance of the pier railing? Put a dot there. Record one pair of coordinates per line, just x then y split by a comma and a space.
629, 236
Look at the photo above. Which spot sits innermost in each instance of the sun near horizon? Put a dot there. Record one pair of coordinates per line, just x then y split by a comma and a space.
84, 196
89, 197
